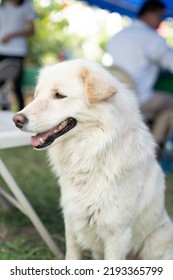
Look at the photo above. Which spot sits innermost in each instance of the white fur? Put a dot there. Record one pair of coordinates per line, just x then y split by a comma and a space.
112, 188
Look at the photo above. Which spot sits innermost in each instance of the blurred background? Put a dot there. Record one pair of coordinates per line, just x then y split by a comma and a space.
66, 29
70, 29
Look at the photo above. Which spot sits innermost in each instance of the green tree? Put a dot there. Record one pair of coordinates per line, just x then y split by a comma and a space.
51, 38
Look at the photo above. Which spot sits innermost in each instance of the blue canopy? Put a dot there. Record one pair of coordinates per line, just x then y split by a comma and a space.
127, 7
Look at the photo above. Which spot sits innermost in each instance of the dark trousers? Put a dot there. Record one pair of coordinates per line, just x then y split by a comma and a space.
17, 80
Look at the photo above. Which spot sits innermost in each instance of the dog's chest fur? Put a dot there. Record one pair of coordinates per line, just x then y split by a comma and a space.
91, 197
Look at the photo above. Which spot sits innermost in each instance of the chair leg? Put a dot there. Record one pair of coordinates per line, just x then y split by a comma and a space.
28, 210
12, 200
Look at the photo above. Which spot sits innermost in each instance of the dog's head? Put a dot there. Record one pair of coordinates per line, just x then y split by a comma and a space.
64, 93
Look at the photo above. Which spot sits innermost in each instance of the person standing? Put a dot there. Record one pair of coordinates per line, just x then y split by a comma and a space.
16, 25
142, 53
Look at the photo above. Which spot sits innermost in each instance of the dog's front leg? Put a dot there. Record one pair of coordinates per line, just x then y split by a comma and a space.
73, 251
116, 245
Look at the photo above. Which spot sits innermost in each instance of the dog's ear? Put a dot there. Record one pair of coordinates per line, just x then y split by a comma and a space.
98, 85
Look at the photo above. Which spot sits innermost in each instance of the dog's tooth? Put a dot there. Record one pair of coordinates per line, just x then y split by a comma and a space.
60, 126
41, 140
63, 124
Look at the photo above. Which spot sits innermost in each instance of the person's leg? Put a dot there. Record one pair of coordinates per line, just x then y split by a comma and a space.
17, 80
4, 102
18, 86
158, 102
159, 108
163, 126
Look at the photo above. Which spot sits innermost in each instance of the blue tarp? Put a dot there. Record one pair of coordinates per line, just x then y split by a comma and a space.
127, 7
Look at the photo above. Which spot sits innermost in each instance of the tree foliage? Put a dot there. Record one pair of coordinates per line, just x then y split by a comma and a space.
51, 39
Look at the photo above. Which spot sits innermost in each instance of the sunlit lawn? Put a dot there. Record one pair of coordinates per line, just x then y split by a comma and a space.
18, 238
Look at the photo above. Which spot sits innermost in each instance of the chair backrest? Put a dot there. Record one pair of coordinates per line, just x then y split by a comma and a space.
122, 76
9, 69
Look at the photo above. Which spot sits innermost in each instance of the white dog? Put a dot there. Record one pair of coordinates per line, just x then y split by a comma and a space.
112, 187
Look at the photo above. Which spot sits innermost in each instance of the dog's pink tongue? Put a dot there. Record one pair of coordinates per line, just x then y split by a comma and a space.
40, 138
35, 141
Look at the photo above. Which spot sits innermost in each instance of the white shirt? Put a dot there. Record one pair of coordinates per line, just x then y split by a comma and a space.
139, 50
14, 19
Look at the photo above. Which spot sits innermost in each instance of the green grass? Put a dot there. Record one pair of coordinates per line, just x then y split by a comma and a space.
18, 238
169, 194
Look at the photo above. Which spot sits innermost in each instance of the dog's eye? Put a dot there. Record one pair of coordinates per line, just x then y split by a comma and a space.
57, 95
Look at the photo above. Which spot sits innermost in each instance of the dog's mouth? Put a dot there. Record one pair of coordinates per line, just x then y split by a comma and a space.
44, 139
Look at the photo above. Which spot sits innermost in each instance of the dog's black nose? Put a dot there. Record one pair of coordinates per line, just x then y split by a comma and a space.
20, 120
